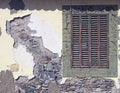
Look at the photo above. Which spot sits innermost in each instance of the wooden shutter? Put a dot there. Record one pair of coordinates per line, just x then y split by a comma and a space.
90, 40
75, 41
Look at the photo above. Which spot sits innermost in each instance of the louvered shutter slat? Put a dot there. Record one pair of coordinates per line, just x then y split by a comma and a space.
94, 40
84, 41
90, 40
75, 41
104, 40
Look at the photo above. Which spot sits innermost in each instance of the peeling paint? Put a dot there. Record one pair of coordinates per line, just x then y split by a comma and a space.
14, 67
45, 29
24, 59
33, 46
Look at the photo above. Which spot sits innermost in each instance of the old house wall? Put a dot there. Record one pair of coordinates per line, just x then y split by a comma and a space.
46, 19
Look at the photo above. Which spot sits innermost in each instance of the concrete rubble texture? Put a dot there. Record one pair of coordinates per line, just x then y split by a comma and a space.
7, 82
53, 87
71, 85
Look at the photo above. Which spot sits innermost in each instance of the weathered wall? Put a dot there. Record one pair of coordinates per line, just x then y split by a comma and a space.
45, 25
46, 19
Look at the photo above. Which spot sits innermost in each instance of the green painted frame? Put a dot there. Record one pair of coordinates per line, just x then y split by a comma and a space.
68, 71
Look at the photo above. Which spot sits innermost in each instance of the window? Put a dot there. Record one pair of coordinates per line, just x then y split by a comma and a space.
89, 40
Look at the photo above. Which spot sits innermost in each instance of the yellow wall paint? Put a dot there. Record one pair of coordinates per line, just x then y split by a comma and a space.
6, 42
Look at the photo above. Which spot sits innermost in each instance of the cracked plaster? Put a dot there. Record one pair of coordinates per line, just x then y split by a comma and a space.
29, 33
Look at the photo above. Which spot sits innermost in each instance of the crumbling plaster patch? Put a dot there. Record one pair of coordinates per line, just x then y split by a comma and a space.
45, 29
28, 44
17, 28
24, 59
14, 67
6, 42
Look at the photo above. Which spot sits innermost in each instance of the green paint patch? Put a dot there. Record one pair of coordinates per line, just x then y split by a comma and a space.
68, 71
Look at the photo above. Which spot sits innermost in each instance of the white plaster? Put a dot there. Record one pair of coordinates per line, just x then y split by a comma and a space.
117, 83
24, 59
51, 39
63, 80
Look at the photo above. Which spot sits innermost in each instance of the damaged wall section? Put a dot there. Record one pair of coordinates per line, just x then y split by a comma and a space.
31, 55
29, 50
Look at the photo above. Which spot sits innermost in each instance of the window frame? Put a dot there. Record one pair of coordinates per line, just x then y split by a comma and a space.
68, 70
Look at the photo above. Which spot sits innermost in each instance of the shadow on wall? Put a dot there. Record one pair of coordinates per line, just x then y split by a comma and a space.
118, 20
0, 32
30, 4
17, 4
49, 4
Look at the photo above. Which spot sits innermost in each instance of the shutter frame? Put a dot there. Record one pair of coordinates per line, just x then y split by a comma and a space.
69, 71
82, 31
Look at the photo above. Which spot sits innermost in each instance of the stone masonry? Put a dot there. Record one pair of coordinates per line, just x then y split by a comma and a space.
47, 69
